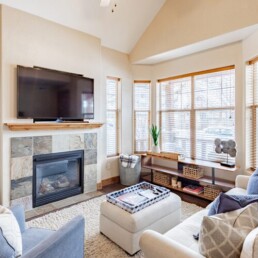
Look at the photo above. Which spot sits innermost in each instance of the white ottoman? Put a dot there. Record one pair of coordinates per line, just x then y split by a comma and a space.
125, 229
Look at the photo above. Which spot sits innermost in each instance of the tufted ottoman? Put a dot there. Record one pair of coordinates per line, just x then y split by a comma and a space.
125, 228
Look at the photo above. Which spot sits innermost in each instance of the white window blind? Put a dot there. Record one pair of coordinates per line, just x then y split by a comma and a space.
251, 114
175, 106
195, 109
112, 117
214, 95
142, 107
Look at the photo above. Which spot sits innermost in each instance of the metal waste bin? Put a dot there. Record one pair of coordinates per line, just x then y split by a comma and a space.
130, 176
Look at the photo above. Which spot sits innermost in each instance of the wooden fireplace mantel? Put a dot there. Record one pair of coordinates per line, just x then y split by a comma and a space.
51, 126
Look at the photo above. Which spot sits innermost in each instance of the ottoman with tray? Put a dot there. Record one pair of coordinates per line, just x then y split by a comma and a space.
123, 223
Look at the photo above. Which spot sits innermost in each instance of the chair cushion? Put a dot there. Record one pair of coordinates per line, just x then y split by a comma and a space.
223, 235
250, 246
252, 186
225, 203
6, 250
237, 191
11, 230
183, 232
33, 236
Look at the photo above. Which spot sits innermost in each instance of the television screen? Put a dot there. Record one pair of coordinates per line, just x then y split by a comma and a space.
49, 94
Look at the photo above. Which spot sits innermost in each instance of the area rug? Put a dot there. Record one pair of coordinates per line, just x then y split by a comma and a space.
96, 244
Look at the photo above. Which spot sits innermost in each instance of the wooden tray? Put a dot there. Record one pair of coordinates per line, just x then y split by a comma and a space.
165, 155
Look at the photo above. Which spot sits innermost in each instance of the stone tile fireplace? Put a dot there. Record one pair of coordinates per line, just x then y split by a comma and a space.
25, 149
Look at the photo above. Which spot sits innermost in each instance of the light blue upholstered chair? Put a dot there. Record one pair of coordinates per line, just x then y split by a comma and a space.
68, 241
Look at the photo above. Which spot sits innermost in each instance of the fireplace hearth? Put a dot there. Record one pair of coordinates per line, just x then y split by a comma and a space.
57, 176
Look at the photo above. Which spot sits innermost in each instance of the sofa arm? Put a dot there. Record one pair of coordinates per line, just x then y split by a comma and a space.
68, 241
18, 212
242, 181
154, 244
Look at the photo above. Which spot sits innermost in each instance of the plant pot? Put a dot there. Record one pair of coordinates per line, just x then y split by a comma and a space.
155, 148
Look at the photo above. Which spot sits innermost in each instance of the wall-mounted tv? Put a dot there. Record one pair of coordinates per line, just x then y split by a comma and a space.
44, 94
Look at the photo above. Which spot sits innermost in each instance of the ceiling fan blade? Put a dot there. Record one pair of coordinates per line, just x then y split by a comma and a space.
104, 3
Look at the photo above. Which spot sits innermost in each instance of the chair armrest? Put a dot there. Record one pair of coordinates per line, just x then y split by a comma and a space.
18, 212
68, 241
154, 244
242, 181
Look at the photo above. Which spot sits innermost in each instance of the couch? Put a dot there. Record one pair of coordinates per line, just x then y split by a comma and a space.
68, 241
179, 242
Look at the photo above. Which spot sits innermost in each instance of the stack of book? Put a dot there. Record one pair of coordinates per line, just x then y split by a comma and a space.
135, 198
194, 189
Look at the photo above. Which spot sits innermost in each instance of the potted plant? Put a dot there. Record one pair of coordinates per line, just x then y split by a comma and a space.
155, 137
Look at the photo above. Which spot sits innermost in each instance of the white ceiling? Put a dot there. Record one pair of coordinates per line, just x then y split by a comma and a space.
225, 39
119, 30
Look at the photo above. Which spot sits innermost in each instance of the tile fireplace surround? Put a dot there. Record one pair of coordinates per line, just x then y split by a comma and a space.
23, 149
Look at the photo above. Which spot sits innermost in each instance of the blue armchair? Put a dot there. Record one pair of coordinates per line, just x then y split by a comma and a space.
68, 241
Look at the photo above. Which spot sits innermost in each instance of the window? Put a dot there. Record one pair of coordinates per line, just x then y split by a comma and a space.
195, 109
175, 102
142, 108
112, 117
251, 113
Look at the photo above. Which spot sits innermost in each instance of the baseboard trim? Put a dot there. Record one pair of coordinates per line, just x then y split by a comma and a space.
99, 186
110, 181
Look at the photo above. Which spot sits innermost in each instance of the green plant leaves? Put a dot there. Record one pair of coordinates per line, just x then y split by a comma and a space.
155, 134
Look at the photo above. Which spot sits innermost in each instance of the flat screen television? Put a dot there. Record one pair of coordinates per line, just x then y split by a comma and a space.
44, 94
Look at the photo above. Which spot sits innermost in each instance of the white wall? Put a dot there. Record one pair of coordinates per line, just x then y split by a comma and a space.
117, 65
29, 40
215, 58
250, 47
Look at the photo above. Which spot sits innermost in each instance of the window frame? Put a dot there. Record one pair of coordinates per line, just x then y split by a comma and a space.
134, 115
252, 107
117, 115
193, 110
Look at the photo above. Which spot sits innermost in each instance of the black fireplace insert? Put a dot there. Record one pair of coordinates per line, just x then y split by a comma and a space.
57, 176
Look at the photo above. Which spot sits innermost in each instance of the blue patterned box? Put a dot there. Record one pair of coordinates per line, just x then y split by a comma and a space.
162, 193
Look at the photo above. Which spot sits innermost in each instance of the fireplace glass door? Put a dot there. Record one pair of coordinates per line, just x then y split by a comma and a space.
57, 176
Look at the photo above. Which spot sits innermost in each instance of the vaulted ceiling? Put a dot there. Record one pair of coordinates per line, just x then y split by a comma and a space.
119, 30
152, 31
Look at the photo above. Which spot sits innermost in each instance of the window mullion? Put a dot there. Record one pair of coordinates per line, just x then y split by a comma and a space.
254, 118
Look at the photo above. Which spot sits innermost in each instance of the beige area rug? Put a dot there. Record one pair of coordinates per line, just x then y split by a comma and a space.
96, 244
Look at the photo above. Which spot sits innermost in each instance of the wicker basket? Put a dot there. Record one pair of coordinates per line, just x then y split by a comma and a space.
211, 191
193, 171
161, 178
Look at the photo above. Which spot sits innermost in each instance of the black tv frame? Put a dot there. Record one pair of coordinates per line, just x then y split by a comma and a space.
58, 119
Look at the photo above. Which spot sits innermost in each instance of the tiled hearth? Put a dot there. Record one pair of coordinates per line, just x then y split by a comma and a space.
23, 149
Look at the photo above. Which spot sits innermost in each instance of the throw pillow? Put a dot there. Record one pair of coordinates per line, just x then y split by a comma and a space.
223, 235
252, 186
11, 230
225, 203
250, 246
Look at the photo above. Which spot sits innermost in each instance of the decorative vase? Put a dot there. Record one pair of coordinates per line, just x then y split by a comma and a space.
156, 148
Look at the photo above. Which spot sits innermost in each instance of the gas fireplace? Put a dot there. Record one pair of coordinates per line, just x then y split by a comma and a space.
57, 176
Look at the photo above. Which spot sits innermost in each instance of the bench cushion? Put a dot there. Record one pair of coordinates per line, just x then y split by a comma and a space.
141, 219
